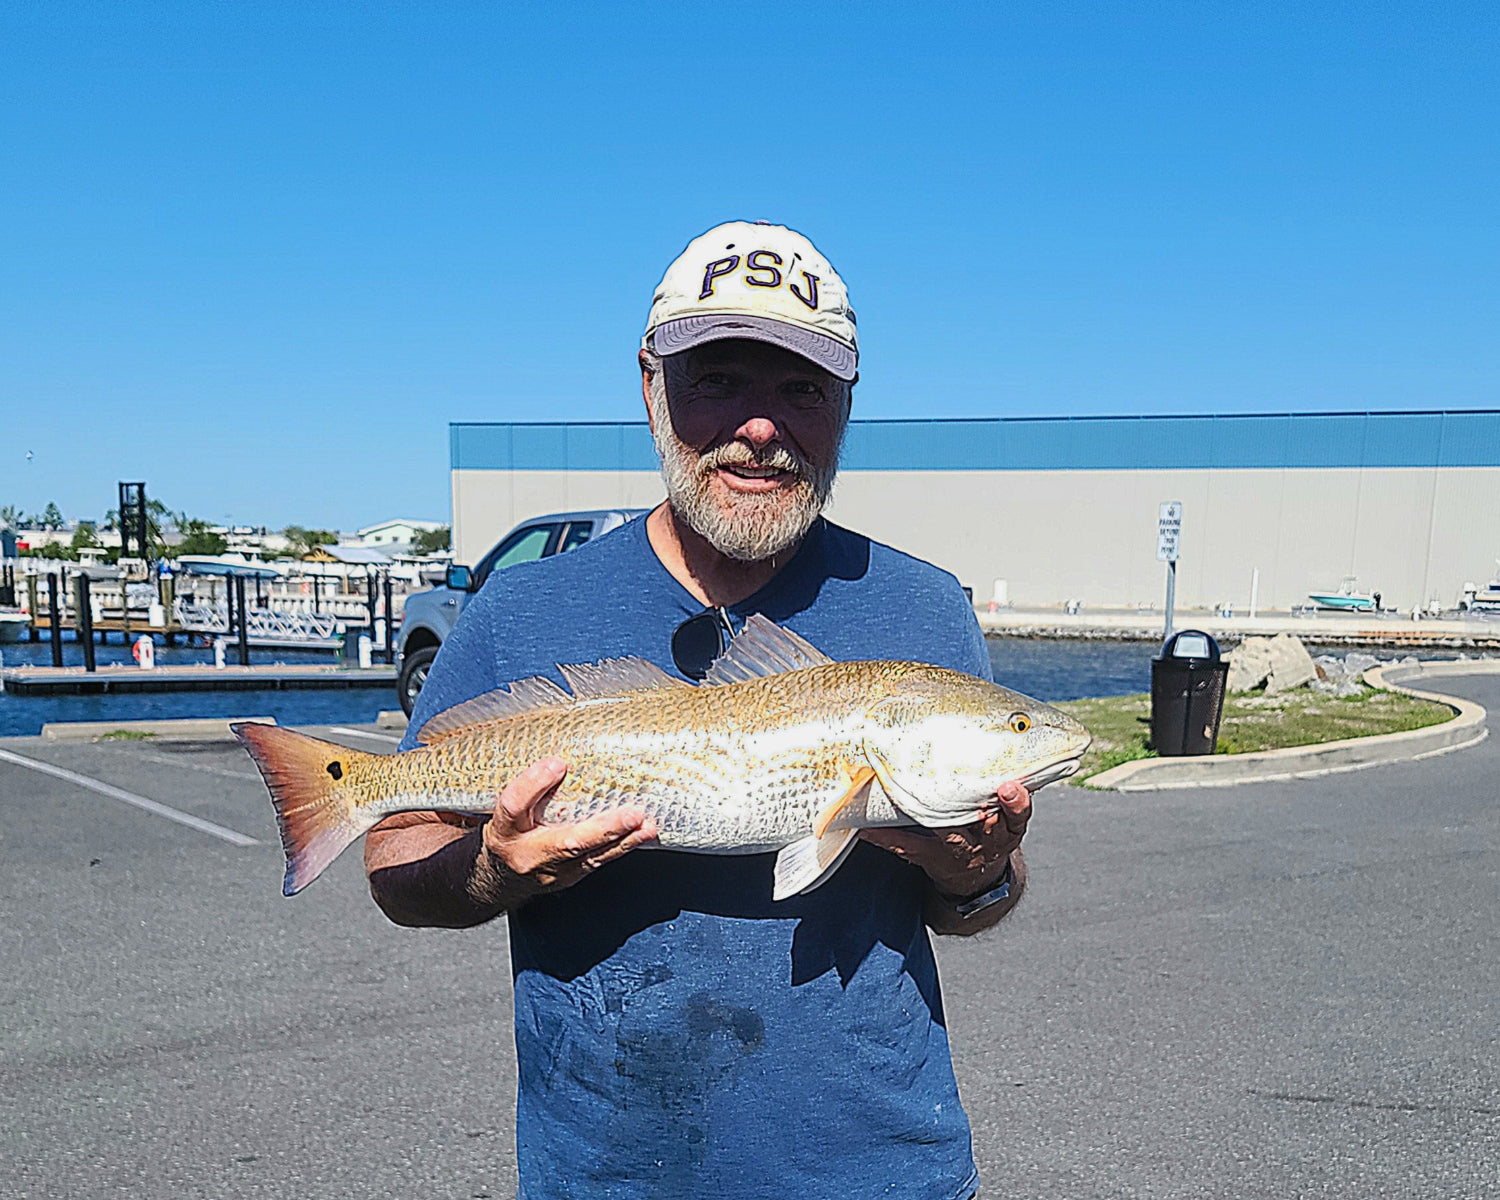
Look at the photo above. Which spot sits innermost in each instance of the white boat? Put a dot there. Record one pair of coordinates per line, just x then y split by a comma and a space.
13, 624
1347, 599
1486, 599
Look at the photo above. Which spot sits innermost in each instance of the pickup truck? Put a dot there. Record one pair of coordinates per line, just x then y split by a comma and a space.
430, 615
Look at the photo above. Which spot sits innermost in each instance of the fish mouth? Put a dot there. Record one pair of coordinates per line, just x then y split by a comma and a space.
1050, 773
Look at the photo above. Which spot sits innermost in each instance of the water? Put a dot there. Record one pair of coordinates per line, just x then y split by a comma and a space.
24, 716
1048, 670
1071, 670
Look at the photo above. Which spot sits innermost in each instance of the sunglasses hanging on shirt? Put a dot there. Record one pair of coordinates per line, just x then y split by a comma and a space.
701, 639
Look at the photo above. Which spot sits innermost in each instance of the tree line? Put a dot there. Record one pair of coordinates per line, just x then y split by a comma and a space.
196, 536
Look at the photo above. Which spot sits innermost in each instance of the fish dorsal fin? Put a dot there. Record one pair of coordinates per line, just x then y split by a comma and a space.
617, 677
523, 696
763, 648
612, 677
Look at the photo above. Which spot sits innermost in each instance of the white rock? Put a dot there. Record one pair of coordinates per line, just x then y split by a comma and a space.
1291, 664
1249, 664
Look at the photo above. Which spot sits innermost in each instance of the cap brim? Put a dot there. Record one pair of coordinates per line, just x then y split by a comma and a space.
673, 337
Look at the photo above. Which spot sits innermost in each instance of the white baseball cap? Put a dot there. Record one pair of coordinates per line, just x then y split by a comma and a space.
760, 281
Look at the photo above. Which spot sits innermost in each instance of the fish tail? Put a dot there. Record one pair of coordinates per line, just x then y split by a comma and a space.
316, 808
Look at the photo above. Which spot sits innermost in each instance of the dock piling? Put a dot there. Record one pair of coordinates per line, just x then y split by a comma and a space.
229, 609
370, 600
390, 630
54, 619
32, 606
84, 625
244, 624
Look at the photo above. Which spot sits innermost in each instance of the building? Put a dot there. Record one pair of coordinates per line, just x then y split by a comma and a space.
1066, 508
400, 532
251, 541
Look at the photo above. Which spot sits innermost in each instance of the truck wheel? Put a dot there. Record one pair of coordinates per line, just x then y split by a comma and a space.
413, 675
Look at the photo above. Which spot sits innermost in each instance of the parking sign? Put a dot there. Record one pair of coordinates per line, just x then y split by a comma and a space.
1168, 531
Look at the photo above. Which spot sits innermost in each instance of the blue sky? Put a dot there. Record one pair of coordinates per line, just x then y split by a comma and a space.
260, 255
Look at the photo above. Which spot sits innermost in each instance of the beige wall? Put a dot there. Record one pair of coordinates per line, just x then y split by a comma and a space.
1412, 533
486, 504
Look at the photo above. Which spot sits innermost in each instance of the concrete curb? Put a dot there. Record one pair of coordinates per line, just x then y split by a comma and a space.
191, 729
1467, 728
390, 719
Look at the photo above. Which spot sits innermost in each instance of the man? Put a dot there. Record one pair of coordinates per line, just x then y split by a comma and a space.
678, 1034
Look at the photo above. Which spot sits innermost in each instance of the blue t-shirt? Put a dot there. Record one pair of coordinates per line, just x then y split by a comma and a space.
678, 1034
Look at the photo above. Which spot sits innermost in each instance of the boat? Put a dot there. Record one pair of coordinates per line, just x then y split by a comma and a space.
1347, 598
220, 566
13, 623
1482, 600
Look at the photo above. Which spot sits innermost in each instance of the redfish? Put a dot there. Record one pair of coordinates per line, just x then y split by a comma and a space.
779, 749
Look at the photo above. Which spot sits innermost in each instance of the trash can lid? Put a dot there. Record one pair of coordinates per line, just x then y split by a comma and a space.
1191, 643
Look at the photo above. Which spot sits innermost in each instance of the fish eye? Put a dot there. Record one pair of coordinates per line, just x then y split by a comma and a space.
1019, 722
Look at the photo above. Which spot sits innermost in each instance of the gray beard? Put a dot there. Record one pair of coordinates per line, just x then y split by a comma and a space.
753, 527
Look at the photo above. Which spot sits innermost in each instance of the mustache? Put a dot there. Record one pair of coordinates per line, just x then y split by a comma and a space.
775, 458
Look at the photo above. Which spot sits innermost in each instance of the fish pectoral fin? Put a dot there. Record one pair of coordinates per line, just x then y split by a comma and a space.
882, 770
852, 800
804, 864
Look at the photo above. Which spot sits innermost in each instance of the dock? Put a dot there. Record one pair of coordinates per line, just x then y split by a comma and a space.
90, 610
76, 681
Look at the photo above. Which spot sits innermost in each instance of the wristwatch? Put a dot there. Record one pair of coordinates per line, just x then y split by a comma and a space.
992, 895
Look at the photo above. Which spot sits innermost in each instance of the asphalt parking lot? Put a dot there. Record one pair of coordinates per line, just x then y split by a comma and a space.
1283, 989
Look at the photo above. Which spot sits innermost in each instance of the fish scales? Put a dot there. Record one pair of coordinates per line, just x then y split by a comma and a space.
746, 765
780, 749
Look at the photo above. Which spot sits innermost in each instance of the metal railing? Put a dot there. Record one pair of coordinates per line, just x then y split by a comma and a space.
261, 624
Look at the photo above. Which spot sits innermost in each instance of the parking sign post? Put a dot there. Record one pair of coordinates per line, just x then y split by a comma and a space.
1168, 538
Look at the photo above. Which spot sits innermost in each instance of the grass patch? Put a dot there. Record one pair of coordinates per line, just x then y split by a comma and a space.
1252, 721
126, 735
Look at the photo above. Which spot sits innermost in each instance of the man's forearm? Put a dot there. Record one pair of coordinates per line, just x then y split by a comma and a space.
942, 916
435, 875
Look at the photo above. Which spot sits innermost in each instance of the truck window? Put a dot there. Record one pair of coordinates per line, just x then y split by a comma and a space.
524, 545
578, 533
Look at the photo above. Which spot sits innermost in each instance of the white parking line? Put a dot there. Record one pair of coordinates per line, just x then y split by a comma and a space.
379, 737
150, 806
182, 763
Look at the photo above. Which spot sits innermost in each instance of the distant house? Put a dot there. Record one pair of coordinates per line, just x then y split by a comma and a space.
401, 532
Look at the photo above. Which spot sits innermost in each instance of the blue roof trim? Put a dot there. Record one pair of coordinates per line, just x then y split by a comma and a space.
1307, 440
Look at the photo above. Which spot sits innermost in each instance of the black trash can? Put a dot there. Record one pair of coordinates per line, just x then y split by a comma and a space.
1187, 695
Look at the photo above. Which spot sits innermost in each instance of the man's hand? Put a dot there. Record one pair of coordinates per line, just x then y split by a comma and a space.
450, 870
963, 862
523, 858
